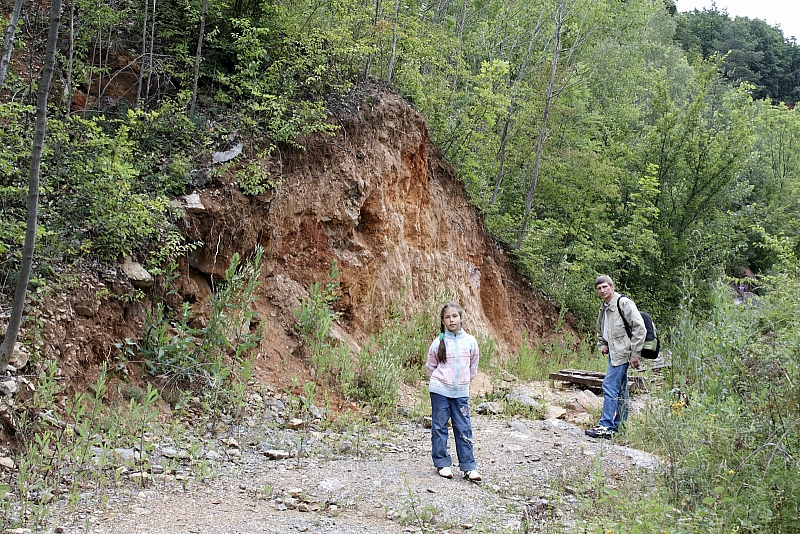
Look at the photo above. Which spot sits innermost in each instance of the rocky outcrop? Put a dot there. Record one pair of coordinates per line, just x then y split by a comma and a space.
376, 198
379, 200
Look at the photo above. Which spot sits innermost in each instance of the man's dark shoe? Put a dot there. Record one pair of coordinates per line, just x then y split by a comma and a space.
600, 432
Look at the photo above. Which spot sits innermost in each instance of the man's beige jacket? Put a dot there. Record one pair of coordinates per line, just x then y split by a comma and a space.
620, 347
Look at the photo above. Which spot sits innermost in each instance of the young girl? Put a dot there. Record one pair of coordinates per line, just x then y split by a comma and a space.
452, 364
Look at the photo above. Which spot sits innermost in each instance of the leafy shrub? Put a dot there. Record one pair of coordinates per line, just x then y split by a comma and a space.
729, 423
13, 179
197, 357
315, 315
103, 181
89, 202
165, 142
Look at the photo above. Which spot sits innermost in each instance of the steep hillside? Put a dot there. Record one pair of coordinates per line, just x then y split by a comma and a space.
376, 197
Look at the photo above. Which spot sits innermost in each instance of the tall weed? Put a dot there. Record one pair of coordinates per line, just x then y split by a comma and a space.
728, 425
538, 361
72, 454
373, 374
211, 359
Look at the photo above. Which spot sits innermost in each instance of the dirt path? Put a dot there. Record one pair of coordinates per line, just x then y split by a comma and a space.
376, 481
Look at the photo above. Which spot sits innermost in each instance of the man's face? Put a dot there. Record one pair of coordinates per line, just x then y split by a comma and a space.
605, 291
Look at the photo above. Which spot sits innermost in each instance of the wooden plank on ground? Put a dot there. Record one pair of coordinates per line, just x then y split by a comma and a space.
579, 377
592, 379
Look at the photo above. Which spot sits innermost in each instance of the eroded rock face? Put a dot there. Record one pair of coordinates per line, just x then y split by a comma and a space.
376, 198
379, 200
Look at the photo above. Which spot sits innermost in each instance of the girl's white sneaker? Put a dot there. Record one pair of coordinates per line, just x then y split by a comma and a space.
445, 472
472, 476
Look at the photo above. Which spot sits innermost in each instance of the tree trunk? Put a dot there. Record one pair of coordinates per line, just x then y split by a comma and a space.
510, 114
18, 306
99, 55
71, 59
152, 45
91, 80
144, 52
8, 42
198, 56
460, 46
548, 104
394, 41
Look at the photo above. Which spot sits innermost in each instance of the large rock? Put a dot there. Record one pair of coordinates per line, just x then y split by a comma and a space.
554, 412
493, 408
481, 386
222, 157
137, 274
190, 203
585, 402
8, 386
522, 399
19, 356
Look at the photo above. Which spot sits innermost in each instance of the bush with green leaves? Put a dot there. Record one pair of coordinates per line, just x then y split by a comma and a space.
91, 202
396, 352
729, 424
13, 180
167, 144
212, 359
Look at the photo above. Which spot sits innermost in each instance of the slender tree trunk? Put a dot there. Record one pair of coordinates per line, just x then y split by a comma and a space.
198, 56
8, 42
394, 41
144, 52
440, 11
99, 55
502, 156
102, 89
548, 104
371, 56
91, 79
18, 305
460, 46
510, 114
68, 85
152, 45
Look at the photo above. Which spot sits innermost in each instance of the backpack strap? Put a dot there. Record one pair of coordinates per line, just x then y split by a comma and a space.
624, 322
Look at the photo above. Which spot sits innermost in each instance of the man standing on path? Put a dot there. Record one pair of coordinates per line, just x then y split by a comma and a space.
620, 334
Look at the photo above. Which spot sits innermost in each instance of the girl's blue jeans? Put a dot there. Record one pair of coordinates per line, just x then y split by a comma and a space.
615, 396
457, 410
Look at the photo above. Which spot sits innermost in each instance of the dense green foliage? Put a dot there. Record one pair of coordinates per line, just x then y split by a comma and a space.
584, 133
754, 51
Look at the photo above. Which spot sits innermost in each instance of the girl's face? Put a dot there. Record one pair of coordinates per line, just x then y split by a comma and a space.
452, 319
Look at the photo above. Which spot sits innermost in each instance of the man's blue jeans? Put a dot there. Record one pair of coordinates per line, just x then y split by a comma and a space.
615, 396
457, 410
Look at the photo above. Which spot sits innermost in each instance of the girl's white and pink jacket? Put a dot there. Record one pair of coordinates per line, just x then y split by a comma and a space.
452, 378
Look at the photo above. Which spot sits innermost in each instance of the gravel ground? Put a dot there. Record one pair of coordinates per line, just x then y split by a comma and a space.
376, 480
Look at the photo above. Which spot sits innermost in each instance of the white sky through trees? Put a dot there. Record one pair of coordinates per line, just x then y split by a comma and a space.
785, 13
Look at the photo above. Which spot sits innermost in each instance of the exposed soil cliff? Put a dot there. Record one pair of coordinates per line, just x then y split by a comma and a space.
376, 197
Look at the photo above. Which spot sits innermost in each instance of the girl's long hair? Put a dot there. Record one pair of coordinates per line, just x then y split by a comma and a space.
441, 354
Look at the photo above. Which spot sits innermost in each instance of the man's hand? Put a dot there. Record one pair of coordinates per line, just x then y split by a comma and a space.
604, 349
635, 362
